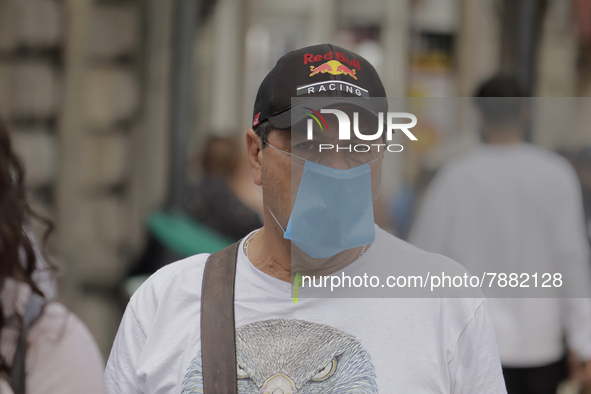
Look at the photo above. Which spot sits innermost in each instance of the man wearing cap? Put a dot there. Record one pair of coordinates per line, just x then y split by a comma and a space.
318, 221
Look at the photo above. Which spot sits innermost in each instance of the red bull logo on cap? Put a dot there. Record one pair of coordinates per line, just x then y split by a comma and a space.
340, 65
333, 67
335, 63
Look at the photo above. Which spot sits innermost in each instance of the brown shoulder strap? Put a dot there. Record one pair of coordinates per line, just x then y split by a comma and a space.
218, 343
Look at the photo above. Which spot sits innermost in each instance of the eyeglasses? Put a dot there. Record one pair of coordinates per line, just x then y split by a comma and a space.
353, 154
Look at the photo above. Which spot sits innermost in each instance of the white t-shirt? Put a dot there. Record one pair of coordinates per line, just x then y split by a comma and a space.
515, 209
315, 345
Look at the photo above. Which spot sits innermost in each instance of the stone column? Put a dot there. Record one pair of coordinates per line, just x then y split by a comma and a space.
323, 15
395, 36
150, 136
478, 45
31, 36
101, 102
228, 65
556, 77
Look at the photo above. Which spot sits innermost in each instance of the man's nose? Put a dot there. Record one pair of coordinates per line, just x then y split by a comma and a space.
338, 160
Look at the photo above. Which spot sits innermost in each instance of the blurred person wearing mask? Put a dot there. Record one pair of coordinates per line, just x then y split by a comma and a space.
317, 225
509, 206
220, 201
44, 348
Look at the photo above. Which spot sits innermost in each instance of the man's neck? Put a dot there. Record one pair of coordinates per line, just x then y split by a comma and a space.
505, 136
271, 253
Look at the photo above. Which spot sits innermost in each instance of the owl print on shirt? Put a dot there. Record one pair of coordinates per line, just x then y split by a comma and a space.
294, 356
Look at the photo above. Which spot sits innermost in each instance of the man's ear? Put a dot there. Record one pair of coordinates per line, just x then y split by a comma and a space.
254, 151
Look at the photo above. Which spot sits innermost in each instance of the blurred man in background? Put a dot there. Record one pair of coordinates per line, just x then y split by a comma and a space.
512, 207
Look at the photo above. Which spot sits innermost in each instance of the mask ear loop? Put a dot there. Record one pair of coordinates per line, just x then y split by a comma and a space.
282, 151
380, 185
297, 282
269, 209
378, 193
279, 224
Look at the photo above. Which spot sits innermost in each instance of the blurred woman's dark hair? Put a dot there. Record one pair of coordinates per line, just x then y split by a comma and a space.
18, 259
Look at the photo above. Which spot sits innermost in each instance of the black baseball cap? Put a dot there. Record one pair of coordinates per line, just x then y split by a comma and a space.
319, 71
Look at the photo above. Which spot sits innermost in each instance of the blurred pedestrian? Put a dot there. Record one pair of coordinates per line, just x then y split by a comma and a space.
220, 201
43, 346
508, 207
218, 210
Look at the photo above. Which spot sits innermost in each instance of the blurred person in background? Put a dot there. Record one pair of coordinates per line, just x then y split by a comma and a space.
220, 209
223, 200
43, 346
509, 206
404, 205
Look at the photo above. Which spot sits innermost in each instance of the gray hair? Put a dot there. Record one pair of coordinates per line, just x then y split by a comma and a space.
263, 130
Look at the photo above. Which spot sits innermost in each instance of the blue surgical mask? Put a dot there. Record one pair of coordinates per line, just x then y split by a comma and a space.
333, 210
